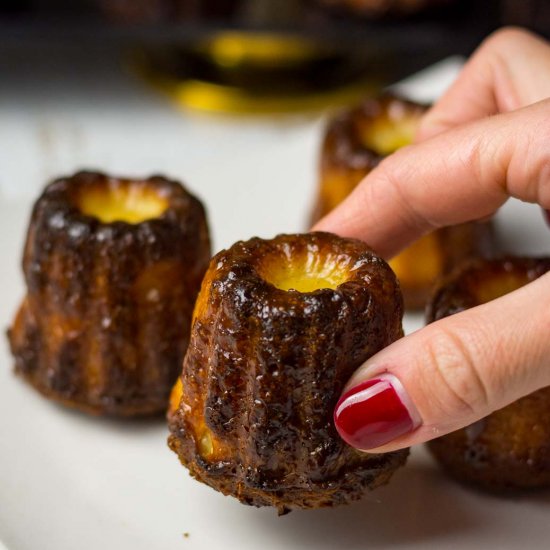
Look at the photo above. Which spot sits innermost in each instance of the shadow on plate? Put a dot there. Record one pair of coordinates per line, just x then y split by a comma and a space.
533, 497
139, 425
416, 506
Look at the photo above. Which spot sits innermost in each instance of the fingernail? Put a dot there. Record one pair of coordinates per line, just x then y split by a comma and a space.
375, 412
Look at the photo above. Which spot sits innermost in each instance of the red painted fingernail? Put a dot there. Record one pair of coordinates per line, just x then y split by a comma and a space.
375, 412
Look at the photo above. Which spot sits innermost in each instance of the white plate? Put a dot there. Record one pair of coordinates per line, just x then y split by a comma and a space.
71, 482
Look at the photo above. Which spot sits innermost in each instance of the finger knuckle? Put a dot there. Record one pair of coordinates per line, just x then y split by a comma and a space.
396, 172
453, 368
529, 166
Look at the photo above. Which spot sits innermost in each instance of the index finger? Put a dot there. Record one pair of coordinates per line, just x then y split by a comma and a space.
462, 175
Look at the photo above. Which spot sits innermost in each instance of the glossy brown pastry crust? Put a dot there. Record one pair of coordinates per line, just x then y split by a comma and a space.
354, 144
105, 322
252, 415
509, 449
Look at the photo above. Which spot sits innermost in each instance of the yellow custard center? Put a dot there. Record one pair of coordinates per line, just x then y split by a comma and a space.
306, 273
122, 203
385, 136
419, 264
303, 282
497, 286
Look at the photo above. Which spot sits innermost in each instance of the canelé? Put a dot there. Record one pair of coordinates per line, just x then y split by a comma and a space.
112, 268
279, 326
355, 142
510, 448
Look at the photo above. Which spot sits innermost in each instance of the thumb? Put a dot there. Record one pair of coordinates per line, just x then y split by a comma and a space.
451, 373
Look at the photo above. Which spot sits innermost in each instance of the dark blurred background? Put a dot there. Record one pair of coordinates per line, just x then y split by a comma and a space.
424, 30
253, 55
463, 17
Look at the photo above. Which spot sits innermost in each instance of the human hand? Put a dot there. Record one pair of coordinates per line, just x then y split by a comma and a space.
468, 161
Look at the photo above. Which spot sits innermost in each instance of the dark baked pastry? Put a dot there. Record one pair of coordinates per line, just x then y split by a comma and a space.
112, 268
354, 143
509, 449
279, 326
379, 8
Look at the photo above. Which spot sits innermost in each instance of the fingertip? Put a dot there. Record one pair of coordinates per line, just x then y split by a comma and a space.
337, 221
375, 412
322, 225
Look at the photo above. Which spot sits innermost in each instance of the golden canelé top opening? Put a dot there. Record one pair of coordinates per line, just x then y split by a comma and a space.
305, 271
121, 201
391, 130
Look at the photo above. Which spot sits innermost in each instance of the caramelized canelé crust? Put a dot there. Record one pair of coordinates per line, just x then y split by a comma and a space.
509, 449
112, 269
354, 144
279, 326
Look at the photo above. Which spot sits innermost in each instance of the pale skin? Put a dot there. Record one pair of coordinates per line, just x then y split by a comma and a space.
486, 140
